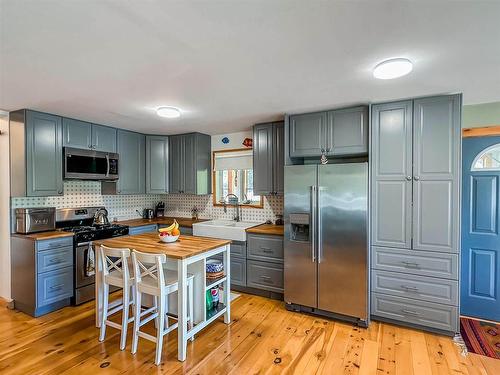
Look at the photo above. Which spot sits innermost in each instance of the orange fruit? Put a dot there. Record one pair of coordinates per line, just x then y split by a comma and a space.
176, 232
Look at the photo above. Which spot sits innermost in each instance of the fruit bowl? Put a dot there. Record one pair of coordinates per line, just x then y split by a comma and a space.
168, 239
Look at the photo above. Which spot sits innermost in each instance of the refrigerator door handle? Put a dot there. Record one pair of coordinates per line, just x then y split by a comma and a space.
312, 231
318, 220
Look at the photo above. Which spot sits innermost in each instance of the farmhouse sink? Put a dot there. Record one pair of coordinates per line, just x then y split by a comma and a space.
225, 229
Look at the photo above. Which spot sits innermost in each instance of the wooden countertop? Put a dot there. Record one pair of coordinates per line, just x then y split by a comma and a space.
185, 247
183, 221
277, 230
44, 235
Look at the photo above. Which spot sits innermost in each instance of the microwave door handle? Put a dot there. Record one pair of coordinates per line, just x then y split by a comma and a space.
107, 164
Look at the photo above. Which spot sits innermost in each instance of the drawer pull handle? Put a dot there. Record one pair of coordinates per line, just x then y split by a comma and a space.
55, 261
266, 279
411, 264
409, 288
266, 249
56, 287
410, 312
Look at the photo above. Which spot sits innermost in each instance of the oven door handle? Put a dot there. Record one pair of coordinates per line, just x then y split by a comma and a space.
83, 244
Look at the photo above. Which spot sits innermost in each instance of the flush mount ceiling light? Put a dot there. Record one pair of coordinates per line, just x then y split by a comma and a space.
393, 68
168, 112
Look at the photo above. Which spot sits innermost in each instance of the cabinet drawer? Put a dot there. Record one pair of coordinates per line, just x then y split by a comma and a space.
53, 286
53, 259
263, 275
416, 287
427, 314
56, 242
416, 262
143, 229
239, 249
238, 270
262, 247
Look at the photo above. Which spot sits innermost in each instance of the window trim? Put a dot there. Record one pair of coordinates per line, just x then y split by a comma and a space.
479, 155
214, 190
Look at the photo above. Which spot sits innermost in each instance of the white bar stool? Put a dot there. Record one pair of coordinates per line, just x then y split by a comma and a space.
115, 269
153, 279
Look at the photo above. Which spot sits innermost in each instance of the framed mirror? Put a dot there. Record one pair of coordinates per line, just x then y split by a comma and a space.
232, 178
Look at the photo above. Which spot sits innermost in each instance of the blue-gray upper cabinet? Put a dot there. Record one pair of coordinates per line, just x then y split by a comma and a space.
103, 138
308, 134
76, 133
340, 132
189, 164
132, 150
156, 164
43, 154
347, 131
81, 134
268, 158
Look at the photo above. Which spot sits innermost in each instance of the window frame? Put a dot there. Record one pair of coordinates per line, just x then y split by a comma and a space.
214, 187
480, 155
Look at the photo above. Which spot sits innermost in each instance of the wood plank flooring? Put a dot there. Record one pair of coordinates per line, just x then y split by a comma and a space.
263, 338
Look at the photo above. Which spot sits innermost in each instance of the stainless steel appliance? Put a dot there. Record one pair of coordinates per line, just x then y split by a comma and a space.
80, 164
37, 219
101, 217
80, 221
325, 245
160, 209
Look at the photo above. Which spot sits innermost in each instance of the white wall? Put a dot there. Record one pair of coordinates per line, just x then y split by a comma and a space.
479, 115
235, 140
4, 208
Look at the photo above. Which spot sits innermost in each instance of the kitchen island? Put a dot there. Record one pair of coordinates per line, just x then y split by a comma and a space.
188, 254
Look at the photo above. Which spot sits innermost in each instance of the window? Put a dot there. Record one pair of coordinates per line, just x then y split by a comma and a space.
233, 178
488, 159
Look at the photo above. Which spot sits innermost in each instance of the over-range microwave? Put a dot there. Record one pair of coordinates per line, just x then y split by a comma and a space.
81, 164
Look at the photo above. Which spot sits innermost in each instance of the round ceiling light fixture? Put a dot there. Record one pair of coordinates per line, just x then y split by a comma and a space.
393, 68
168, 112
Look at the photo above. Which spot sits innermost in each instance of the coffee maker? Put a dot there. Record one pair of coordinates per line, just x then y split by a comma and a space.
160, 209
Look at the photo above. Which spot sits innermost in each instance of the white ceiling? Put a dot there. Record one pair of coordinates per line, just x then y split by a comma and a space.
229, 64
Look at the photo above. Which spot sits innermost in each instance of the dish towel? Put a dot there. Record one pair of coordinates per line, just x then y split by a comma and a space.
90, 261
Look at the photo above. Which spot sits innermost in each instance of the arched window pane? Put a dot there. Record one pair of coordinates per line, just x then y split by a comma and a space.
488, 159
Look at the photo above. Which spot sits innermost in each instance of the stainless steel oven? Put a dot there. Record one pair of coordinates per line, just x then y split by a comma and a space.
81, 164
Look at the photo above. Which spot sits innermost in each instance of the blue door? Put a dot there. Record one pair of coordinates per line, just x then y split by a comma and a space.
480, 255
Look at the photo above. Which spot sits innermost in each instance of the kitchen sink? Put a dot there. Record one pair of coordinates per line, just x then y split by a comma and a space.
225, 229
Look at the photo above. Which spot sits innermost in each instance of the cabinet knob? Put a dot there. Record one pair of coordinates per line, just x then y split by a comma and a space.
329, 149
408, 178
416, 178
90, 146
322, 150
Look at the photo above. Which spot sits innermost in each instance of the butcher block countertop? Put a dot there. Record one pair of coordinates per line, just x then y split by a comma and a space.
183, 221
185, 247
276, 230
44, 235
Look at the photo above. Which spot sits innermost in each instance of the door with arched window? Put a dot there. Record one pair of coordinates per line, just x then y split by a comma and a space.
480, 254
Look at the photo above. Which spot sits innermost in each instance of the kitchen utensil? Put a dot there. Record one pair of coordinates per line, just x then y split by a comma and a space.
214, 265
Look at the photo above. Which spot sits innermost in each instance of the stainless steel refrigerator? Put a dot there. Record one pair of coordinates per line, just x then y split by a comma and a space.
326, 250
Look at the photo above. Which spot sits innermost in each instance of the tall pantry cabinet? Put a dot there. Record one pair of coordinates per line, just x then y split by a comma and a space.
415, 212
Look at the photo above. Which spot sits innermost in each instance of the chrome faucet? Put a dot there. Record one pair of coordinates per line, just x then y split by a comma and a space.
237, 206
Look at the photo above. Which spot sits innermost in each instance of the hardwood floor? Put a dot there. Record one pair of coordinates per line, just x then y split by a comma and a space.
262, 338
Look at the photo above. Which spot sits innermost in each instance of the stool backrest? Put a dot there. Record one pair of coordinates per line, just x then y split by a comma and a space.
115, 259
147, 265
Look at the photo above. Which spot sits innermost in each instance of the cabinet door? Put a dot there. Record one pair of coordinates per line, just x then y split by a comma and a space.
103, 138
176, 162
263, 159
307, 134
77, 133
43, 154
279, 157
189, 155
436, 157
392, 174
347, 131
131, 147
156, 165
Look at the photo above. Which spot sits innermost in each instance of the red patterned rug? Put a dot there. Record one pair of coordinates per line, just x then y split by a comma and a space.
481, 337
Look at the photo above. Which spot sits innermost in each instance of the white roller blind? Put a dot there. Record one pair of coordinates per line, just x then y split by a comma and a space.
233, 160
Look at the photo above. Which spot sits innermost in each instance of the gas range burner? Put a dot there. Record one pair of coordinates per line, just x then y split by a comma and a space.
78, 229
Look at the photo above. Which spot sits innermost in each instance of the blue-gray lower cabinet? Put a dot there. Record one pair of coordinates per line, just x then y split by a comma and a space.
142, 229
265, 262
41, 274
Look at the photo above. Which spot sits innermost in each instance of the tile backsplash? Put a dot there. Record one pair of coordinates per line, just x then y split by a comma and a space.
88, 193
181, 205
